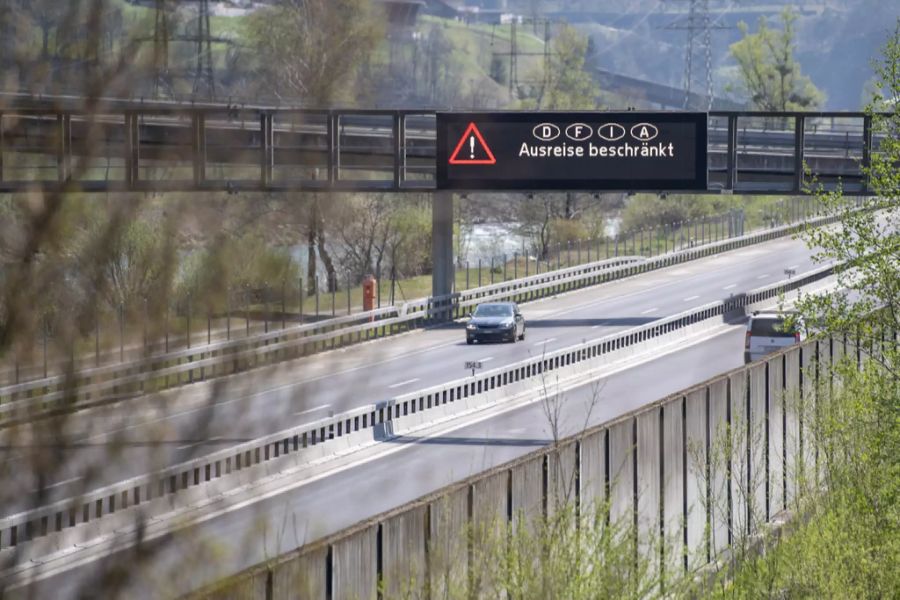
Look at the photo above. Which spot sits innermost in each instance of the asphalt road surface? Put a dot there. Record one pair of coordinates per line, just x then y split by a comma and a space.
106, 445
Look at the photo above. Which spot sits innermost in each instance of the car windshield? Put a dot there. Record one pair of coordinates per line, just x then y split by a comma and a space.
771, 328
494, 310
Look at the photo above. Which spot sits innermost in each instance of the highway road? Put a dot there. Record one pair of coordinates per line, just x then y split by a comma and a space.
133, 437
247, 535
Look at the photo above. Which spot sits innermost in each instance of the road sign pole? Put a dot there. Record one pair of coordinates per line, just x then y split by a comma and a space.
443, 273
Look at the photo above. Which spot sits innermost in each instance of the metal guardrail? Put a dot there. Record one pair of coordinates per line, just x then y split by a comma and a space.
185, 482
330, 333
25, 400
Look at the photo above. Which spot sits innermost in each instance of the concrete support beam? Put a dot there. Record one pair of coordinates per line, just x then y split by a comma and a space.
442, 246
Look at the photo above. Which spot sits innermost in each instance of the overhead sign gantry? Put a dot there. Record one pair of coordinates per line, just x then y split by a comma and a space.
570, 151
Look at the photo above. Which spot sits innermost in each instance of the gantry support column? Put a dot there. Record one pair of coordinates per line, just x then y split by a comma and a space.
442, 277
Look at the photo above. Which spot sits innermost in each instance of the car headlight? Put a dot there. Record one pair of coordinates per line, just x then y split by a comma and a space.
509, 324
471, 327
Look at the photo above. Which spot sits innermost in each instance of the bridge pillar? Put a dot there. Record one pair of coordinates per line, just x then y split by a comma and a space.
442, 278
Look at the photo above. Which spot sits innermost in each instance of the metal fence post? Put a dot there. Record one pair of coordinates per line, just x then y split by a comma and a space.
96, 338
122, 332
189, 320
266, 307
146, 318
46, 326
247, 308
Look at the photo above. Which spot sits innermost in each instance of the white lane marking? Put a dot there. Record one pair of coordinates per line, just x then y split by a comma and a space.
309, 410
212, 439
773, 247
486, 359
650, 310
402, 383
59, 483
547, 341
518, 430
48, 569
729, 287
763, 276
595, 327
689, 298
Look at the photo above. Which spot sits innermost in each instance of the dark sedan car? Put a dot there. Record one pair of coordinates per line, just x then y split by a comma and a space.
496, 321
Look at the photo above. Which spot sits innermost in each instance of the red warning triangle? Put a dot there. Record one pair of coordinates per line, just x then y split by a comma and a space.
466, 146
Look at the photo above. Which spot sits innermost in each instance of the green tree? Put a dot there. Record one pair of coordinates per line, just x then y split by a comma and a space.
868, 241
567, 86
769, 73
312, 50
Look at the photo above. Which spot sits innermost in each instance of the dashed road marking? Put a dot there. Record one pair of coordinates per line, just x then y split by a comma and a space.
310, 410
212, 439
402, 383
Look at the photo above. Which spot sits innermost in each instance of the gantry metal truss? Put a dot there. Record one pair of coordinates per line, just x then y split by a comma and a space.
128, 145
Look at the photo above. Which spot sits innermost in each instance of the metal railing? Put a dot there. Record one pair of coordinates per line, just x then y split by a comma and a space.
185, 482
134, 146
103, 384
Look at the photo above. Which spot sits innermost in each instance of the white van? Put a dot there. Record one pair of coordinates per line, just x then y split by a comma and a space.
767, 332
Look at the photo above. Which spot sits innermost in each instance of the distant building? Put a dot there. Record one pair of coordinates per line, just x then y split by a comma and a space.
492, 12
402, 13
442, 8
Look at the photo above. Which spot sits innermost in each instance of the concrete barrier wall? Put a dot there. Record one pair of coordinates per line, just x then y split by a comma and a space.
757, 439
592, 480
404, 553
720, 485
649, 485
673, 476
665, 466
301, 576
527, 493
355, 565
448, 549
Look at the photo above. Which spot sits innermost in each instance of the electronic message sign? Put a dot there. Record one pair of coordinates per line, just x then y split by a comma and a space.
571, 151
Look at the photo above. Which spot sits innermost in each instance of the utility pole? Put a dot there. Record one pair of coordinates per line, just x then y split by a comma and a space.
203, 75
161, 36
698, 53
513, 57
514, 53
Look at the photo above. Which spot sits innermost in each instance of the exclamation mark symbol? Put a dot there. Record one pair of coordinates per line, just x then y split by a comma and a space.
472, 147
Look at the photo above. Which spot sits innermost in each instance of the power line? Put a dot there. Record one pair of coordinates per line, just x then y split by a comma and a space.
698, 51
203, 76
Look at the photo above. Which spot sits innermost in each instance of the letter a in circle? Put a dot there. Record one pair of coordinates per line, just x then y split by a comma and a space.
472, 149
